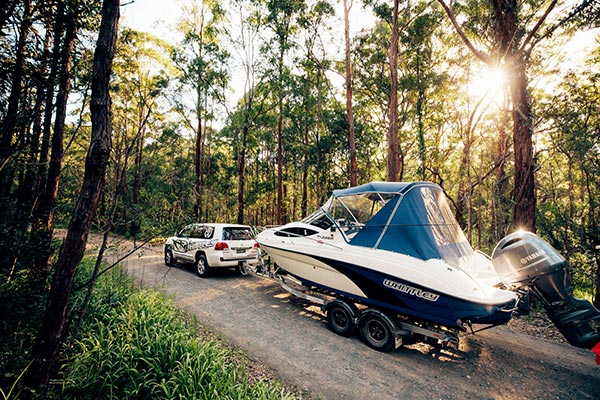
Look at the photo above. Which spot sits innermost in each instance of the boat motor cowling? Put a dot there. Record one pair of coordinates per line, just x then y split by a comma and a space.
525, 261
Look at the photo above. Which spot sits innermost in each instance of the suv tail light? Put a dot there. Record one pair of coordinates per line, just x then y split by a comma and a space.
256, 245
221, 246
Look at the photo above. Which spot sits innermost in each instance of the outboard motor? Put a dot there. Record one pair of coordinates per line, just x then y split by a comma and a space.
525, 261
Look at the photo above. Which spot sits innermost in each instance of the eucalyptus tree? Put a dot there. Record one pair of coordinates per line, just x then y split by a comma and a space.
348, 84
241, 121
18, 48
513, 29
11, 117
421, 78
35, 133
201, 60
68, 18
312, 93
55, 322
393, 151
142, 69
168, 170
371, 92
569, 179
281, 19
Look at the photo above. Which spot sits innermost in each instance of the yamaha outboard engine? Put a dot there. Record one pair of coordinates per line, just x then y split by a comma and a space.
525, 261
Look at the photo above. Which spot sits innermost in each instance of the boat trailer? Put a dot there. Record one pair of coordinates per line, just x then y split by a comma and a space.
380, 330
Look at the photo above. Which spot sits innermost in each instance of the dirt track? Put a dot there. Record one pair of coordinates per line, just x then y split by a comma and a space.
293, 339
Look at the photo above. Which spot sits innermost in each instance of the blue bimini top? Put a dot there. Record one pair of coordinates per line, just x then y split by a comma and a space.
409, 218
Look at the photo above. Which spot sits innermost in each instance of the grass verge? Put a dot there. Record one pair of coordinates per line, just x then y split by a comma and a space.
134, 343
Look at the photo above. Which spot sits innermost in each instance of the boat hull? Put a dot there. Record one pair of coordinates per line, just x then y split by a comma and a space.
390, 292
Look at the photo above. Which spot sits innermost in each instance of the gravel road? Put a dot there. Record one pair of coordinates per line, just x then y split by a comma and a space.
292, 338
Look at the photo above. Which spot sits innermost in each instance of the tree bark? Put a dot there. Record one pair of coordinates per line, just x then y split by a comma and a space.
393, 151
55, 322
43, 221
508, 35
279, 211
10, 123
524, 195
242, 159
349, 112
198, 166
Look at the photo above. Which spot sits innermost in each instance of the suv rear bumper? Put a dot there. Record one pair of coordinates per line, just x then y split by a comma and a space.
222, 262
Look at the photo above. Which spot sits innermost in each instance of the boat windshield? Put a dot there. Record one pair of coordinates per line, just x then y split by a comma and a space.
413, 219
320, 219
350, 213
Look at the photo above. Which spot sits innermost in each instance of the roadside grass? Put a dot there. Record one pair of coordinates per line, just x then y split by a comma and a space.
135, 344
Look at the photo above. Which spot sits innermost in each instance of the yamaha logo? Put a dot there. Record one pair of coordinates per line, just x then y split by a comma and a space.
411, 290
527, 259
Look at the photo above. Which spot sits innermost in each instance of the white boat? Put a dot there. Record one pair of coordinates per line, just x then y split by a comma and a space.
396, 247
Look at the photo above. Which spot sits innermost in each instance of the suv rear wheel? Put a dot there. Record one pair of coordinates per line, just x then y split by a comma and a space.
202, 267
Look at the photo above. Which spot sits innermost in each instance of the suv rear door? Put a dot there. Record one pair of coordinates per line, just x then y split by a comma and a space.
240, 240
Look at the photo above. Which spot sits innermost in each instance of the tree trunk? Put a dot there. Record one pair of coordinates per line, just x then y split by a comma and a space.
304, 199
10, 123
29, 181
524, 195
59, 26
508, 48
42, 224
242, 160
279, 210
198, 167
349, 112
393, 151
55, 323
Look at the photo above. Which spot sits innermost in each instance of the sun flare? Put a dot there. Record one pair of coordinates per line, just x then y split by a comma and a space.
489, 84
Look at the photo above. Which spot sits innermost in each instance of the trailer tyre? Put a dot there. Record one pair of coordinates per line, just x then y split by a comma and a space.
340, 318
377, 332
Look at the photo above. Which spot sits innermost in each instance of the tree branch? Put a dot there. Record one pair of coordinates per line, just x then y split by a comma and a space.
537, 26
482, 56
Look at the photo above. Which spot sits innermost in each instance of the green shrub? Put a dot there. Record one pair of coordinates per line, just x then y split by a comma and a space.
140, 346
22, 308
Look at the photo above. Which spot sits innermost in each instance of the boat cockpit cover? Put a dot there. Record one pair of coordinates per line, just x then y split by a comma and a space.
416, 221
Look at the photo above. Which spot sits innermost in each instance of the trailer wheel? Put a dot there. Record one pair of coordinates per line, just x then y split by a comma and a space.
340, 318
376, 332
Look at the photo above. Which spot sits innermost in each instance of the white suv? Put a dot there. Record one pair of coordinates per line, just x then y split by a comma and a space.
210, 246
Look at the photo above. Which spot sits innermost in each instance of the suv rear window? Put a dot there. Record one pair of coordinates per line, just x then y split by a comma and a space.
237, 234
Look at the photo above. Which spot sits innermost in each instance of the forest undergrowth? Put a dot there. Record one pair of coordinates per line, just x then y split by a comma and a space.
131, 343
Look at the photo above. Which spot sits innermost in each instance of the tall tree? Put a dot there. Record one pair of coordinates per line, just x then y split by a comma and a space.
513, 43
393, 150
349, 113
245, 45
42, 224
201, 60
10, 123
55, 322
281, 18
